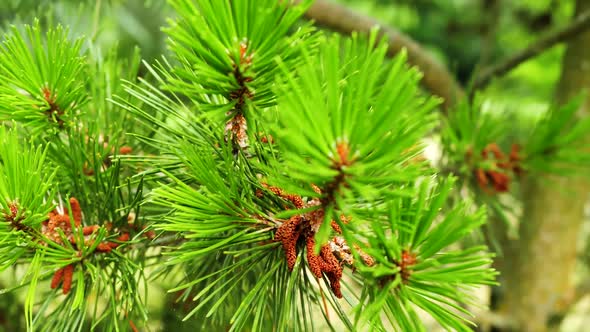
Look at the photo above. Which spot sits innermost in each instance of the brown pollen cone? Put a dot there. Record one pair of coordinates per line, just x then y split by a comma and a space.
64, 274
125, 150
313, 261
332, 268
408, 259
304, 227
501, 181
68, 275
57, 277
288, 234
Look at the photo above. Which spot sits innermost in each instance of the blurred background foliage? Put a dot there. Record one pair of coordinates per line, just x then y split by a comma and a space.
125, 24
467, 35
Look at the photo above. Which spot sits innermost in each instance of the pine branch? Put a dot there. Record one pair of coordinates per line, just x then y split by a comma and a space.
412, 264
580, 24
437, 79
348, 125
239, 63
343, 199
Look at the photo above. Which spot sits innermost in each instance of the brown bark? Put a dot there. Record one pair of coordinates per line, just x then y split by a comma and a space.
539, 282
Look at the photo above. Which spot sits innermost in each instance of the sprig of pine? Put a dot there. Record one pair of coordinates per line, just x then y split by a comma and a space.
232, 221
43, 79
85, 245
26, 195
350, 122
416, 262
233, 46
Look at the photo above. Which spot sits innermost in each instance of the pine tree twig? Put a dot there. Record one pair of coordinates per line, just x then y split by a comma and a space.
578, 25
437, 79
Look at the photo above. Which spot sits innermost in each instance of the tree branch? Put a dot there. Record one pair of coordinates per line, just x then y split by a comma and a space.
578, 25
437, 79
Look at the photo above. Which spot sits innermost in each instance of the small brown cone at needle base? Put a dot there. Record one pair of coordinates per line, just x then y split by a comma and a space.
496, 178
68, 276
333, 269
76, 211
57, 277
64, 274
125, 150
313, 261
